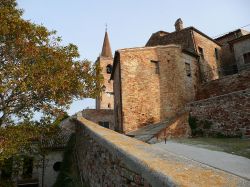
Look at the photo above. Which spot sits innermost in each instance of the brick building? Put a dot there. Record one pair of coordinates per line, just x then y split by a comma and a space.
155, 82
241, 49
151, 84
227, 56
193, 40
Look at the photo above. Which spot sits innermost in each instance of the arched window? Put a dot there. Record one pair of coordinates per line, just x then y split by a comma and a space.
109, 68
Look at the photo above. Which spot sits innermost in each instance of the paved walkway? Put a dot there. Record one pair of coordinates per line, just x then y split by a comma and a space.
237, 165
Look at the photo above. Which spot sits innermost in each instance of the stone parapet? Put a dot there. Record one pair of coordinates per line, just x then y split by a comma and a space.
107, 158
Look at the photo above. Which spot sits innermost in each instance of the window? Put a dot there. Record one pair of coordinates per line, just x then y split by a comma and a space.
157, 67
201, 53
188, 69
216, 52
109, 68
247, 58
109, 105
104, 124
57, 166
27, 167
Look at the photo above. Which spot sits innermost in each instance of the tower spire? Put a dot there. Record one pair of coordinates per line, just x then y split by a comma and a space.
106, 49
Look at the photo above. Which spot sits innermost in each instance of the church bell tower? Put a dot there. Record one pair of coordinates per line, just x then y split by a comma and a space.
105, 61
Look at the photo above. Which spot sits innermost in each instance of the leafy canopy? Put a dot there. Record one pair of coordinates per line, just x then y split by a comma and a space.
37, 73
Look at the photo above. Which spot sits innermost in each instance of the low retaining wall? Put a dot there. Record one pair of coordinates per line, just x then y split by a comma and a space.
107, 158
223, 115
224, 85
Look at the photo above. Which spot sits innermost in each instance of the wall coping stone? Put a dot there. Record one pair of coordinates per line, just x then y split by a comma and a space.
158, 167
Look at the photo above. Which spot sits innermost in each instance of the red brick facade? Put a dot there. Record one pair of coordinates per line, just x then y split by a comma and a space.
151, 84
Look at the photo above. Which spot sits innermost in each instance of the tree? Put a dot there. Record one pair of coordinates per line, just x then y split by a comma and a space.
37, 73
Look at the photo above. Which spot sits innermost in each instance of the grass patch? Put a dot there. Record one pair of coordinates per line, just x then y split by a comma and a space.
235, 146
69, 176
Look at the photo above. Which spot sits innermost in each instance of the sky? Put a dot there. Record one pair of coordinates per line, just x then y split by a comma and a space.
130, 22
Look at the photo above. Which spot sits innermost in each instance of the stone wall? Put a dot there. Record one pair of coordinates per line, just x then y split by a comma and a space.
227, 84
107, 158
223, 115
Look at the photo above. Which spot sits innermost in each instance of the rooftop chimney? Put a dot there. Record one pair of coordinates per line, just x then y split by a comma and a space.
178, 25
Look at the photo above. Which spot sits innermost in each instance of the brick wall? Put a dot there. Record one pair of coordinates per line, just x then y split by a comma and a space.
139, 87
227, 84
178, 128
107, 158
149, 97
227, 114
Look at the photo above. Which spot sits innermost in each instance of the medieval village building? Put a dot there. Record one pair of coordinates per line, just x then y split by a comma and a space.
146, 85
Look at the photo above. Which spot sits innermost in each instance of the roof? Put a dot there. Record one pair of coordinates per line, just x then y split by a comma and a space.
242, 38
231, 33
169, 35
106, 49
57, 141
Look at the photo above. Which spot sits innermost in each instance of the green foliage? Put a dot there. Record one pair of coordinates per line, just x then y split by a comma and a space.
23, 139
222, 135
192, 121
37, 73
207, 124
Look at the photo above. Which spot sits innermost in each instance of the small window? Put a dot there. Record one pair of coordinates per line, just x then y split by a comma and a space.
104, 124
201, 53
247, 58
109, 105
157, 67
188, 69
216, 52
57, 166
109, 68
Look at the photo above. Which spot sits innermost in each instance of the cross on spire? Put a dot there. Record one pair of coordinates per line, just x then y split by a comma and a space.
106, 49
106, 27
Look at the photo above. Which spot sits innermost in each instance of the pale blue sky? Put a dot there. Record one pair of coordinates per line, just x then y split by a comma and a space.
130, 22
